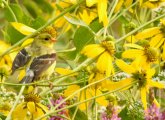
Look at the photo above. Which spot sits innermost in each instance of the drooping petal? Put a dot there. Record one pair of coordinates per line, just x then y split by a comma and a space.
132, 53
101, 100
102, 11
147, 33
119, 5
44, 108
157, 40
71, 89
125, 67
24, 29
38, 113
104, 63
143, 97
119, 86
157, 84
31, 107
64, 71
16, 115
92, 50
85, 94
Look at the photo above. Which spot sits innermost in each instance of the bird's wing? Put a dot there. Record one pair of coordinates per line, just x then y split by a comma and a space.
38, 66
21, 59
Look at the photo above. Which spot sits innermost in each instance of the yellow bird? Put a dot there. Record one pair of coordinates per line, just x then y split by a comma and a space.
39, 58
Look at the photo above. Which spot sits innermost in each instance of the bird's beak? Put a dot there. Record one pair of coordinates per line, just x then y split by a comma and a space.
53, 40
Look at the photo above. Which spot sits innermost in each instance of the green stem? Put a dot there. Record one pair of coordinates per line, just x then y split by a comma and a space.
76, 104
15, 104
53, 19
135, 30
113, 8
11, 11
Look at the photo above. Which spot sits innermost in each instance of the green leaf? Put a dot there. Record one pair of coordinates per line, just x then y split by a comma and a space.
38, 22
32, 8
45, 6
12, 35
75, 21
96, 25
124, 114
79, 115
17, 11
82, 37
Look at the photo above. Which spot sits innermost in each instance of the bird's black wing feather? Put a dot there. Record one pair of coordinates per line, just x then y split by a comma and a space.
20, 60
38, 66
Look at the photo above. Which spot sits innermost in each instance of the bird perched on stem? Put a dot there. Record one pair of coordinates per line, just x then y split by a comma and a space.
39, 59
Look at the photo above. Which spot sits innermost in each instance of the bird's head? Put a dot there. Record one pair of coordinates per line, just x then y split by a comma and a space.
47, 37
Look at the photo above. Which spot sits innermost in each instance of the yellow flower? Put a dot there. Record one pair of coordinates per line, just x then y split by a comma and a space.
85, 14
101, 8
151, 3
86, 94
142, 76
29, 109
94, 76
157, 36
5, 108
121, 3
105, 50
144, 55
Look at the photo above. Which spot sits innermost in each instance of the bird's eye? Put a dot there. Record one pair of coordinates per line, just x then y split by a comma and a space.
46, 38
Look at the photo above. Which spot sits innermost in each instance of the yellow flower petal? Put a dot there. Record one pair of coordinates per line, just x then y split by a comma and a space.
134, 46
71, 89
102, 11
44, 108
92, 50
163, 54
90, 3
128, 3
118, 6
26, 30
31, 107
132, 53
64, 71
122, 84
101, 100
150, 5
150, 72
85, 94
156, 103
147, 33
157, 84
87, 16
162, 21
104, 63
125, 67
20, 112
27, 42
38, 113
131, 39
143, 97
156, 40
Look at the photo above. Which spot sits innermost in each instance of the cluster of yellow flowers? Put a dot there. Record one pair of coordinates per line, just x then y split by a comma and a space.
139, 59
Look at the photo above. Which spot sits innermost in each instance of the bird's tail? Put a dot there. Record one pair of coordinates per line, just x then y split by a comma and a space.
28, 78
